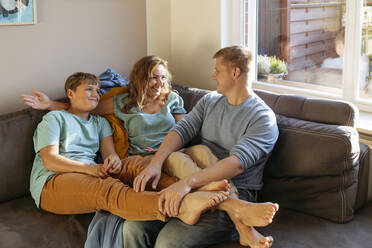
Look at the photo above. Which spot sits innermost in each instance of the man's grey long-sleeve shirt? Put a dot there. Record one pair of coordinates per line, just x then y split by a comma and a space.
248, 131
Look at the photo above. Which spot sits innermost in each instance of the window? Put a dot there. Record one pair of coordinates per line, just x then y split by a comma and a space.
309, 47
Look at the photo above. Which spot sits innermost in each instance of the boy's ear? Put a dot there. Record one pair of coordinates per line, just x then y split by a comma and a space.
69, 93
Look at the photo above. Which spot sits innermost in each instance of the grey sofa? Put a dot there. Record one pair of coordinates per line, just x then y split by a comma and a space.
318, 172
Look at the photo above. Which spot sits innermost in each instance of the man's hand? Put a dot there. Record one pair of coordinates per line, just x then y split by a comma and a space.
150, 172
112, 164
37, 101
171, 197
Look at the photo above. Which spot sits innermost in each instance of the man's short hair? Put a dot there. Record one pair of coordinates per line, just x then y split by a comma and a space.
74, 80
236, 56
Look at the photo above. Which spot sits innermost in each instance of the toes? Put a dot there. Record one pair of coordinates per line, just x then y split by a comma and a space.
267, 241
276, 206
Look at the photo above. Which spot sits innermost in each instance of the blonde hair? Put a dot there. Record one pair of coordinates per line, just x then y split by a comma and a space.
139, 78
236, 56
74, 80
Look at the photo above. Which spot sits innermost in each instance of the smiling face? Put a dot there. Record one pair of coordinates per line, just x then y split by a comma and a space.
156, 82
223, 76
85, 97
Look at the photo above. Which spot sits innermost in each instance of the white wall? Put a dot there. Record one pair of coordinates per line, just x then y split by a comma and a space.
158, 23
70, 36
190, 39
195, 37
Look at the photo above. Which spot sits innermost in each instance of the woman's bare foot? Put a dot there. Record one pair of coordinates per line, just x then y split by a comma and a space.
250, 214
222, 185
248, 236
196, 203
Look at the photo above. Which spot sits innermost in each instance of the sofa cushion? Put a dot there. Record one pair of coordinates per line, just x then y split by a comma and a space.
22, 224
17, 154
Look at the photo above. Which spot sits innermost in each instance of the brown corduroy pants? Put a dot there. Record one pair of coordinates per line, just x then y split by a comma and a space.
76, 193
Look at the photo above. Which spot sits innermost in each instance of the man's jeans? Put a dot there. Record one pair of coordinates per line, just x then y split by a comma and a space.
212, 228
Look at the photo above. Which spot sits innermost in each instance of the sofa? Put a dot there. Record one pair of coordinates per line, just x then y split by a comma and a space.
318, 173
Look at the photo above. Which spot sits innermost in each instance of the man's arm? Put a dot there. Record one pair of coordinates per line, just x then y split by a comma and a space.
171, 143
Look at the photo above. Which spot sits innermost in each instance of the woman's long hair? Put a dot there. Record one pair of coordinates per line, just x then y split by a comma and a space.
139, 78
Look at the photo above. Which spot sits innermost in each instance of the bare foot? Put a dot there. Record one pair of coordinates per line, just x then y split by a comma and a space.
248, 236
249, 213
222, 185
196, 203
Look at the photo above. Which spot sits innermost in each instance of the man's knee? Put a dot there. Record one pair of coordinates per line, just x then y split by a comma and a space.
141, 233
133, 228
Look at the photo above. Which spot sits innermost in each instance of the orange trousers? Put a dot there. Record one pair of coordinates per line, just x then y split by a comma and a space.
76, 193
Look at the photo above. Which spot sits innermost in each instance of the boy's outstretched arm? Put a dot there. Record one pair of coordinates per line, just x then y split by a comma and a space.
41, 101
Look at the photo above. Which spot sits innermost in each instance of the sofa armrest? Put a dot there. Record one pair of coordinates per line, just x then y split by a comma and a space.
314, 169
363, 176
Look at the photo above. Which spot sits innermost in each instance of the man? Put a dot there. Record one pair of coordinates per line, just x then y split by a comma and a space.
241, 131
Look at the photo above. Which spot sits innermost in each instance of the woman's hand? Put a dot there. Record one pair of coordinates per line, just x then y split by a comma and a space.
151, 172
150, 150
112, 164
37, 101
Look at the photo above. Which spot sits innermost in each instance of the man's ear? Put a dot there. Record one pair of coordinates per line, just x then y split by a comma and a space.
236, 72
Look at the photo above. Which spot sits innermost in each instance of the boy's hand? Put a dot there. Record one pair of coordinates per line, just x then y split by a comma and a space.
97, 170
37, 101
112, 164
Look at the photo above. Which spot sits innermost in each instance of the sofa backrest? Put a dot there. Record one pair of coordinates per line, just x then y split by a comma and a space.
16, 152
317, 110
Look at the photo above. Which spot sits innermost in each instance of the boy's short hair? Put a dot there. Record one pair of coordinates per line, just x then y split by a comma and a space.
237, 56
74, 80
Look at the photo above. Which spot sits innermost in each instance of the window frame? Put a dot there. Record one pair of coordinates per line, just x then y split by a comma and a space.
349, 90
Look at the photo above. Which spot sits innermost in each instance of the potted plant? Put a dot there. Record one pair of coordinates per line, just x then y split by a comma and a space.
278, 67
263, 66
271, 66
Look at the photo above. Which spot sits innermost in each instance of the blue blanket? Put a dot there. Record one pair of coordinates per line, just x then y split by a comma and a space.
105, 231
110, 79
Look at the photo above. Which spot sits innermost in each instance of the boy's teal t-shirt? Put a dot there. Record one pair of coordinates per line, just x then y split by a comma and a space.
147, 130
78, 140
